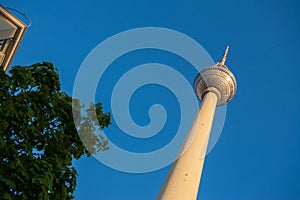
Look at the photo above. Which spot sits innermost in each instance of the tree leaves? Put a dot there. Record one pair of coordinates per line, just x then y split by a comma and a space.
38, 138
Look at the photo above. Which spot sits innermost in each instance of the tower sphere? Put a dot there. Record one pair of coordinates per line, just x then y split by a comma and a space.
217, 79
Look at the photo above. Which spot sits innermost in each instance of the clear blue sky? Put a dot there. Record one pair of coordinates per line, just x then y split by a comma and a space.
258, 153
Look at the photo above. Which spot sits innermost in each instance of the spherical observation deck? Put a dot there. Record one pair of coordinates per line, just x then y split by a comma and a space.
217, 79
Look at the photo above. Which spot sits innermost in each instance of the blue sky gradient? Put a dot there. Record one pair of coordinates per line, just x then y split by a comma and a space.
258, 153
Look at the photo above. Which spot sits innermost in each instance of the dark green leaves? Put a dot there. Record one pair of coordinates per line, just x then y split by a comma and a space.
38, 138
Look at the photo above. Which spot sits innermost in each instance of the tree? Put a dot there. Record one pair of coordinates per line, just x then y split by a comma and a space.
38, 138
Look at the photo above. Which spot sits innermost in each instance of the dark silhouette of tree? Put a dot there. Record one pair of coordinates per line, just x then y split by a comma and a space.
38, 138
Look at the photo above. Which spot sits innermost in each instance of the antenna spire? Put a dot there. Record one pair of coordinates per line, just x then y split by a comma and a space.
224, 56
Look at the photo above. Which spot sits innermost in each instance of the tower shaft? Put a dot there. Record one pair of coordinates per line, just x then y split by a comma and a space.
183, 179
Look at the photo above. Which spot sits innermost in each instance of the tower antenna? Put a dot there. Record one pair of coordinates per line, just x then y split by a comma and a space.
224, 56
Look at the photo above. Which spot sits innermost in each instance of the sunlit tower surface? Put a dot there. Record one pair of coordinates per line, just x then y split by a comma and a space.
215, 86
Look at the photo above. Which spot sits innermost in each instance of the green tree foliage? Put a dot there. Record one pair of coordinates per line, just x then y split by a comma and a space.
38, 138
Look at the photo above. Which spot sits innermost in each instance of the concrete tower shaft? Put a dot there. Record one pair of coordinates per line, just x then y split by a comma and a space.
215, 85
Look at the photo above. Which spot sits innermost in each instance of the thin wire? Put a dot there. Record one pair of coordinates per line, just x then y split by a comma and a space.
29, 20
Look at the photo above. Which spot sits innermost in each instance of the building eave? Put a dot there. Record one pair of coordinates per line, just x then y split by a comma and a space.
15, 40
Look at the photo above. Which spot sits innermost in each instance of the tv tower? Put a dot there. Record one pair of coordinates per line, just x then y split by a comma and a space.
215, 86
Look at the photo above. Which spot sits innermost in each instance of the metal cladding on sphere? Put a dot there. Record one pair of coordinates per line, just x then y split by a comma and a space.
217, 79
